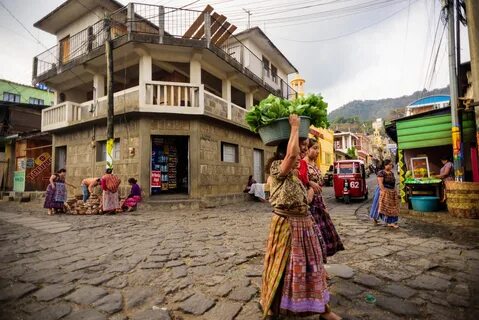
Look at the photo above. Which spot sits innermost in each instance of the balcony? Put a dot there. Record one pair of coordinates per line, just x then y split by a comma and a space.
151, 97
160, 25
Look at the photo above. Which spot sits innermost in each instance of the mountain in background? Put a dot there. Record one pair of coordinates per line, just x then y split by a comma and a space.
387, 109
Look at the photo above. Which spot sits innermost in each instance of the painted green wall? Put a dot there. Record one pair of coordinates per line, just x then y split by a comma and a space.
432, 131
25, 92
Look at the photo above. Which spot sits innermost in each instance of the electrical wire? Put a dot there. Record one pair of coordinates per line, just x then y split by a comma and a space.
349, 33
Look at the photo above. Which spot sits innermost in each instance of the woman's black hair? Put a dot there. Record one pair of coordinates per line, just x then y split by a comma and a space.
109, 170
278, 155
312, 142
62, 170
386, 162
443, 157
132, 180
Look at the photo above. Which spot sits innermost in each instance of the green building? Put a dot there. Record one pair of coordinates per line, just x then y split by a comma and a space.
20, 93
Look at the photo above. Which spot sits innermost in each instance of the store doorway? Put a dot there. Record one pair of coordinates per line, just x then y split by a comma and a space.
169, 165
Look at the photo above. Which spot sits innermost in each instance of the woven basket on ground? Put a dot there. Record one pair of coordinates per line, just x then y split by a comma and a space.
463, 199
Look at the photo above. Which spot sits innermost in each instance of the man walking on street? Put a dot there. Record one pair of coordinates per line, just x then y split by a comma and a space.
87, 186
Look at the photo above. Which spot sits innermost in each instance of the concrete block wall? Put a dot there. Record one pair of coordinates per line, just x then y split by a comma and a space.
81, 153
219, 178
209, 176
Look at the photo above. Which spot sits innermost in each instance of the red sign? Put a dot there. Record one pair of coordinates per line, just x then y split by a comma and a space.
156, 178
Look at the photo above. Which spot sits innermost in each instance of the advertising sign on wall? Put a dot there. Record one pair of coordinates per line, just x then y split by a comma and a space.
155, 178
19, 181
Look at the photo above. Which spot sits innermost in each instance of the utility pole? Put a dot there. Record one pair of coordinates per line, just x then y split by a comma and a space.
249, 16
109, 88
455, 119
472, 16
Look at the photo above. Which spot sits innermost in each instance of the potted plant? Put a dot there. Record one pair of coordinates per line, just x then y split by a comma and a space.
270, 117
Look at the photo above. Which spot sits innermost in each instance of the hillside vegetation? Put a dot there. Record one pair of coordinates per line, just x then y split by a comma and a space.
369, 110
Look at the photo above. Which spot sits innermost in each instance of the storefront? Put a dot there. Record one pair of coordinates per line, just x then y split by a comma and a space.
169, 165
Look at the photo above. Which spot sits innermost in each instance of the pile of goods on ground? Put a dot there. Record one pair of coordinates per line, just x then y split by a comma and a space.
90, 207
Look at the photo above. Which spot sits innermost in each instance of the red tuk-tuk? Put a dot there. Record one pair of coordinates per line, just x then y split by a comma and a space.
349, 180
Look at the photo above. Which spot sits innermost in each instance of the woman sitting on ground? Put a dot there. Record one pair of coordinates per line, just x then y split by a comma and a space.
131, 202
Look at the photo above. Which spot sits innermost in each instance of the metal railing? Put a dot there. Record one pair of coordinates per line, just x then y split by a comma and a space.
164, 22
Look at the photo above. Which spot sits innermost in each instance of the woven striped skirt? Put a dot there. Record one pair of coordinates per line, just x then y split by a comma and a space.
294, 279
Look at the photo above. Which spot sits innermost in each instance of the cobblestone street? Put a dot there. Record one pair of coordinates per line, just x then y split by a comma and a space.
207, 264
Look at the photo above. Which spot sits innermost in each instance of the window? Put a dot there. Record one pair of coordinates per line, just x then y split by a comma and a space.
11, 97
101, 150
229, 152
274, 74
36, 101
266, 66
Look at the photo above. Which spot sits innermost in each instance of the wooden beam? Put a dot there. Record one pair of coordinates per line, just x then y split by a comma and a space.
201, 31
221, 31
217, 22
198, 22
226, 35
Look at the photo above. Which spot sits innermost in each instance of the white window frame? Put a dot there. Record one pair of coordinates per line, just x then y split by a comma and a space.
10, 95
229, 152
101, 150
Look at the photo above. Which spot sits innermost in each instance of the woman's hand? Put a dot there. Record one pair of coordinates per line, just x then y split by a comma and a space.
294, 120
316, 187
310, 195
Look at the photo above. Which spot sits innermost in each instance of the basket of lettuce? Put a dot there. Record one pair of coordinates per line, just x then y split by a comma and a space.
270, 117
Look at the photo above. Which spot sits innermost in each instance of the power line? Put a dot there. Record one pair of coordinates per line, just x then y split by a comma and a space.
349, 33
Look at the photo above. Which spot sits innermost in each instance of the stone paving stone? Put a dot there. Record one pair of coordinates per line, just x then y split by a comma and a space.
179, 272
429, 283
347, 290
399, 290
249, 311
117, 283
137, 296
51, 292
110, 304
88, 314
87, 295
368, 280
340, 270
151, 315
224, 310
174, 263
16, 291
197, 304
98, 280
243, 294
397, 306
459, 295
52, 312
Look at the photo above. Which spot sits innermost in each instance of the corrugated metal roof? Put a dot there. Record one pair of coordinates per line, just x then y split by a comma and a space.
431, 100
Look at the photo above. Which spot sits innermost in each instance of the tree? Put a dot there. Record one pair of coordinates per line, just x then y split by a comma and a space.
351, 153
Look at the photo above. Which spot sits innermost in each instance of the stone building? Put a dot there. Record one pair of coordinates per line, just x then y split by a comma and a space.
183, 83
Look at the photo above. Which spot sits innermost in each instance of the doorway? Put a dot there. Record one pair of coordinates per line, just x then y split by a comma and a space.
169, 165
60, 158
258, 167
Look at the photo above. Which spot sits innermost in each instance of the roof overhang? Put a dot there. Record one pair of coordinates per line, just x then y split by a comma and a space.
71, 10
266, 45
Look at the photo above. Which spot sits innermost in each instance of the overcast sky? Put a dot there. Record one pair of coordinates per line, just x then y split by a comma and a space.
345, 49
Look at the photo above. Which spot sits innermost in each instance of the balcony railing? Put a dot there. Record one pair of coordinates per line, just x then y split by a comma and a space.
152, 97
137, 18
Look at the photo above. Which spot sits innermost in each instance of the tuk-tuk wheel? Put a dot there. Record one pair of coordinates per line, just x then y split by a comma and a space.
347, 199
366, 196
